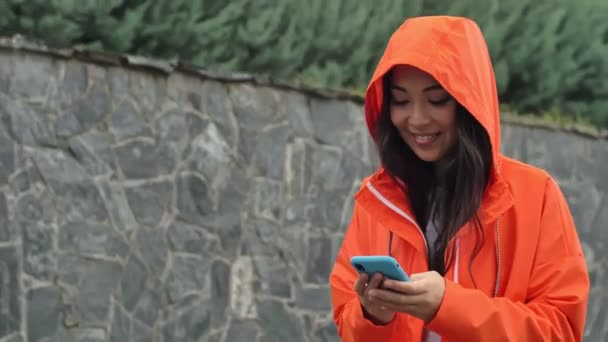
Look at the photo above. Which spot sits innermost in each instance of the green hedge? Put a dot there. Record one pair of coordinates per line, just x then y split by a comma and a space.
549, 55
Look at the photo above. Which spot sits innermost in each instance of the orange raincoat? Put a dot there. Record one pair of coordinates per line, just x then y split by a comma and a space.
531, 276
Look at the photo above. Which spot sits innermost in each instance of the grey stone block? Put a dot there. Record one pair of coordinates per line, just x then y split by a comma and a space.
268, 199
233, 198
187, 275
217, 104
87, 285
10, 292
74, 83
313, 299
44, 314
33, 76
188, 323
37, 231
278, 323
260, 238
255, 107
125, 122
220, 291
241, 330
149, 91
326, 164
599, 233
584, 202
272, 277
332, 120
58, 166
328, 209
14, 338
300, 168
153, 248
118, 81
7, 158
327, 333
211, 156
94, 152
270, 151
298, 114
5, 233
85, 113
97, 283
149, 201
319, 260
133, 282
172, 132
80, 201
22, 180
25, 124
248, 141
144, 158
140, 333
86, 335
229, 230
91, 238
149, 306
121, 325
195, 201
118, 208
7, 62
192, 239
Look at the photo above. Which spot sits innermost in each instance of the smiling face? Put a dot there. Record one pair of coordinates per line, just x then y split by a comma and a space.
423, 113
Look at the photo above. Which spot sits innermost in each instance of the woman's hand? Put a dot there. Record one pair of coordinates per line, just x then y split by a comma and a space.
372, 309
420, 297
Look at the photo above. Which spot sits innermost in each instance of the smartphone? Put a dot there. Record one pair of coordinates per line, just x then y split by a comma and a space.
383, 264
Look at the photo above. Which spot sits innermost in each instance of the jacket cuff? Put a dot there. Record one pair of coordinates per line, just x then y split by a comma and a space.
450, 308
368, 328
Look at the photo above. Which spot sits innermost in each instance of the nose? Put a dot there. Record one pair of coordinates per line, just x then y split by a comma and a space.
418, 116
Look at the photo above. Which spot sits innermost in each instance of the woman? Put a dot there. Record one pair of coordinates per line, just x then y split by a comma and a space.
489, 242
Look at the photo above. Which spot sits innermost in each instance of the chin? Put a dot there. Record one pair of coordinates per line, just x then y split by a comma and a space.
428, 157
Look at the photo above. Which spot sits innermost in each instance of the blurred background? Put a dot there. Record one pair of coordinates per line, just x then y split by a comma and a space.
550, 56
184, 170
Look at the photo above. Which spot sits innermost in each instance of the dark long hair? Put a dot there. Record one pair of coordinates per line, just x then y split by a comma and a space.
454, 187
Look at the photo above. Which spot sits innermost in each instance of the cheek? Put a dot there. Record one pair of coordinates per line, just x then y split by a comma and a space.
447, 120
398, 116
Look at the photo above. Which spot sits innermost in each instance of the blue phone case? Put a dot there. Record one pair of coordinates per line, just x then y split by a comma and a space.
383, 264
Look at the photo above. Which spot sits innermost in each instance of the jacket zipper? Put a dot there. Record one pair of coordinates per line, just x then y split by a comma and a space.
400, 212
429, 336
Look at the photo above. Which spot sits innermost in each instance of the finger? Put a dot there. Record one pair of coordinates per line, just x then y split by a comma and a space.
386, 306
419, 276
408, 304
360, 284
406, 287
374, 283
395, 298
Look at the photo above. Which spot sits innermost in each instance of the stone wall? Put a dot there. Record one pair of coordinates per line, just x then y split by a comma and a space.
137, 205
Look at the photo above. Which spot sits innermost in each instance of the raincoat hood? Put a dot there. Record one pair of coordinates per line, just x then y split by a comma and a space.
454, 52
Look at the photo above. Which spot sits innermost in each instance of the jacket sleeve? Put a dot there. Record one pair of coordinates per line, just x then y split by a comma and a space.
556, 303
347, 311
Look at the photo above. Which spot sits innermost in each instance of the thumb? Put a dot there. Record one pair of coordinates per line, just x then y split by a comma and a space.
419, 276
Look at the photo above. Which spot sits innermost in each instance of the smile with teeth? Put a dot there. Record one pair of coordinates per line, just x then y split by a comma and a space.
424, 139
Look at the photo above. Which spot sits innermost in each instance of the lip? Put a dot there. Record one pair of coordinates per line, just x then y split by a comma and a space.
425, 139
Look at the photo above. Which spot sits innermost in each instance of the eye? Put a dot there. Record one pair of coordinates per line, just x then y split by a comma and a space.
396, 101
399, 103
441, 101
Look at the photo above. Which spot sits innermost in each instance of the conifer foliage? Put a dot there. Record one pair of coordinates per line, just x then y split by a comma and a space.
549, 55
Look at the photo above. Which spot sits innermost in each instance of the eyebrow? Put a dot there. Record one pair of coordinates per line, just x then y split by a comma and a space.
433, 87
